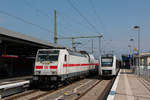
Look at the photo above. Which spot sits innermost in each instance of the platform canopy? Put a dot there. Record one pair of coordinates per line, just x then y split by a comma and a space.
15, 43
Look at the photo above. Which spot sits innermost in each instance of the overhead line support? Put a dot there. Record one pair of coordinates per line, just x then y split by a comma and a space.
55, 27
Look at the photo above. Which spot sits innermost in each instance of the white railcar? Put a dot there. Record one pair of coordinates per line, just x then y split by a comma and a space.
57, 65
109, 65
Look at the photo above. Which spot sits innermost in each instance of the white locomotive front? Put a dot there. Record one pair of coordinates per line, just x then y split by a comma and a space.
57, 65
109, 65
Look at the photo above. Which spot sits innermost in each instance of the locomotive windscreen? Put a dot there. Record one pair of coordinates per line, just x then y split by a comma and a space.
48, 55
107, 61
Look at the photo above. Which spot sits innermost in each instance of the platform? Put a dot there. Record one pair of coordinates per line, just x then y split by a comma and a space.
13, 85
128, 86
14, 80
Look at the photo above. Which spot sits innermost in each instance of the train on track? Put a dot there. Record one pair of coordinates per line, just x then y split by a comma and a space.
54, 66
110, 65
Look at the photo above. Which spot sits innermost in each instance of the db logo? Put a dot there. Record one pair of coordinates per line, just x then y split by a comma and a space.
45, 67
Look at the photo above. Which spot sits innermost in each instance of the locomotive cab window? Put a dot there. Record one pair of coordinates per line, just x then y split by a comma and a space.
107, 61
51, 56
65, 59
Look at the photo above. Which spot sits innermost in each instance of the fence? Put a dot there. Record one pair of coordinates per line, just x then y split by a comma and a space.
142, 71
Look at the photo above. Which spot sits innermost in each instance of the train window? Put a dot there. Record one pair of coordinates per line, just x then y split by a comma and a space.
47, 55
65, 58
107, 61
47, 58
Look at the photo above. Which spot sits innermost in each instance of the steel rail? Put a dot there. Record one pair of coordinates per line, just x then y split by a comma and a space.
105, 92
21, 95
54, 90
82, 94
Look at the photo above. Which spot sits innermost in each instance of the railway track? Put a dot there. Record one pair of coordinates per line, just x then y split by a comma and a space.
98, 91
87, 90
106, 90
75, 91
24, 94
67, 92
36, 94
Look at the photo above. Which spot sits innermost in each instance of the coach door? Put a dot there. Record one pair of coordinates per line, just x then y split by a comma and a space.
65, 62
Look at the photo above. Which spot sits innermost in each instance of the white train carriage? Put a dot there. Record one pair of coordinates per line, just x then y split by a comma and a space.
53, 65
109, 65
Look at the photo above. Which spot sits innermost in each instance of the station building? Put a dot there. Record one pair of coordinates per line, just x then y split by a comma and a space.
144, 59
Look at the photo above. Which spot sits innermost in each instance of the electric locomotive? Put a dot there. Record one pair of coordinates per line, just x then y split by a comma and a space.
53, 66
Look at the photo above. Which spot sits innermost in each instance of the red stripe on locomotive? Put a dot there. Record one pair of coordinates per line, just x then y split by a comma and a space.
53, 67
39, 67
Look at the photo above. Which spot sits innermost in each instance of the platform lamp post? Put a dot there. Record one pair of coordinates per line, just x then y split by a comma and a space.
138, 28
130, 54
132, 40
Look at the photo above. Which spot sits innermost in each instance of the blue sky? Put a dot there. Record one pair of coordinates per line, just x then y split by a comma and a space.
113, 18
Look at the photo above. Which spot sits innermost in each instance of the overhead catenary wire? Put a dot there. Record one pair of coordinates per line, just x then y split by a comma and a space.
68, 19
41, 12
77, 1
62, 24
46, 15
25, 21
96, 14
88, 22
84, 44
36, 9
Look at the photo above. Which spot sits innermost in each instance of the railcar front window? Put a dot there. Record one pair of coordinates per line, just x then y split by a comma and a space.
107, 61
47, 58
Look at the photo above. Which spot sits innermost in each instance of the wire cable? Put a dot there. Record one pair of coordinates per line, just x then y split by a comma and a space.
84, 44
25, 21
96, 14
69, 19
36, 9
88, 22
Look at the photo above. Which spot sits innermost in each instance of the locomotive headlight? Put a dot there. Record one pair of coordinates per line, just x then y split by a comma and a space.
37, 72
54, 72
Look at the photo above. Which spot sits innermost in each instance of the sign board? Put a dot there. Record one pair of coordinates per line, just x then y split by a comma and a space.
135, 49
